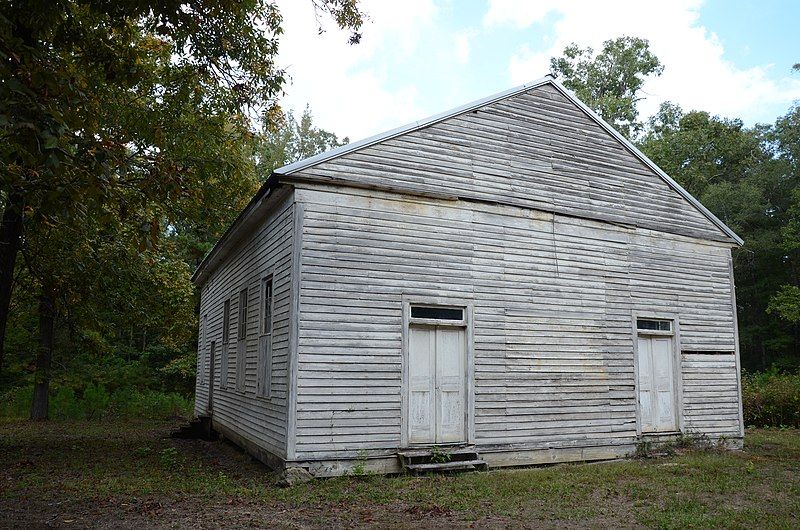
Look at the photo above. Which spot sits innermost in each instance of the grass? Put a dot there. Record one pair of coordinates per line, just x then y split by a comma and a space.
115, 473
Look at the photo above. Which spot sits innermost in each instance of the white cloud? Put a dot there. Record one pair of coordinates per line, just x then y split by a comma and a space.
345, 84
519, 14
696, 74
419, 57
461, 48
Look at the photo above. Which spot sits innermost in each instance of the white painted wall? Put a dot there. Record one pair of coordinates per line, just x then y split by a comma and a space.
553, 298
267, 250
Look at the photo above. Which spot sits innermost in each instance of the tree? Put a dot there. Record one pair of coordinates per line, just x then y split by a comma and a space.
287, 140
700, 150
282, 140
609, 82
127, 117
97, 285
786, 143
747, 177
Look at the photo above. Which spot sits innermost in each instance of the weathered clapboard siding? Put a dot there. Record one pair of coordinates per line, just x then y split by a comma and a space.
553, 296
268, 250
692, 280
711, 394
553, 232
536, 149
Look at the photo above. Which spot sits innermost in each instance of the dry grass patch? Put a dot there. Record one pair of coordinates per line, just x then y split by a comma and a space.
129, 474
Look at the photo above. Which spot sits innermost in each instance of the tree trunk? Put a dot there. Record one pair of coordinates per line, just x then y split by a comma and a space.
41, 399
10, 237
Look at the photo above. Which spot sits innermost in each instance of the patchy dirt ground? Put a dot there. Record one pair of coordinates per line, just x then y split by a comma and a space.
115, 474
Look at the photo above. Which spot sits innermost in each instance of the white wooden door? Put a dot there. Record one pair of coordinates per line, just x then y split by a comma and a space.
437, 389
656, 384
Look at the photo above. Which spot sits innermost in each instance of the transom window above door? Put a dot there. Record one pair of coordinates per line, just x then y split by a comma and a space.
648, 324
437, 313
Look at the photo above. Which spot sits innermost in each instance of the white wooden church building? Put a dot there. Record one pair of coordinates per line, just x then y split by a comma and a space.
511, 280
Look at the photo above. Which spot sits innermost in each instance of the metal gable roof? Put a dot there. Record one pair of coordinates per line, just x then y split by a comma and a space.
414, 126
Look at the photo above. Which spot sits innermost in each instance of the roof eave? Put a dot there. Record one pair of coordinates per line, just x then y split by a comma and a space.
263, 192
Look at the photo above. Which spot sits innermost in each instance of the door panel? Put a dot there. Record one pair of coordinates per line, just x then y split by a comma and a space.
421, 370
437, 389
645, 385
450, 384
664, 385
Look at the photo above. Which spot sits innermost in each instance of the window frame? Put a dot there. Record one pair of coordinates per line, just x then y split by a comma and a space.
267, 305
226, 321
438, 321
240, 375
201, 348
646, 331
212, 353
266, 328
241, 324
425, 307
224, 362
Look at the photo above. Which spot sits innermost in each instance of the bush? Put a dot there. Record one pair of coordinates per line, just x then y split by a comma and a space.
16, 402
65, 403
95, 402
771, 399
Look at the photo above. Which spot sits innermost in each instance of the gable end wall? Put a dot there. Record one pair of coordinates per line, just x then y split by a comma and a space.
536, 149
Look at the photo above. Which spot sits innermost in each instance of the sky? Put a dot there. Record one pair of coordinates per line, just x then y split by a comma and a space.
417, 58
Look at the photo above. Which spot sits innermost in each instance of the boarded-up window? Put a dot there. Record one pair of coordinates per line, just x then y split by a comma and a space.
226, 321
226, 326
201, 349
266, 289
242, 315
264, 386
241, 345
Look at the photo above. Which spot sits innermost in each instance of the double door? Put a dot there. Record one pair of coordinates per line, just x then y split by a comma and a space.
437, 384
